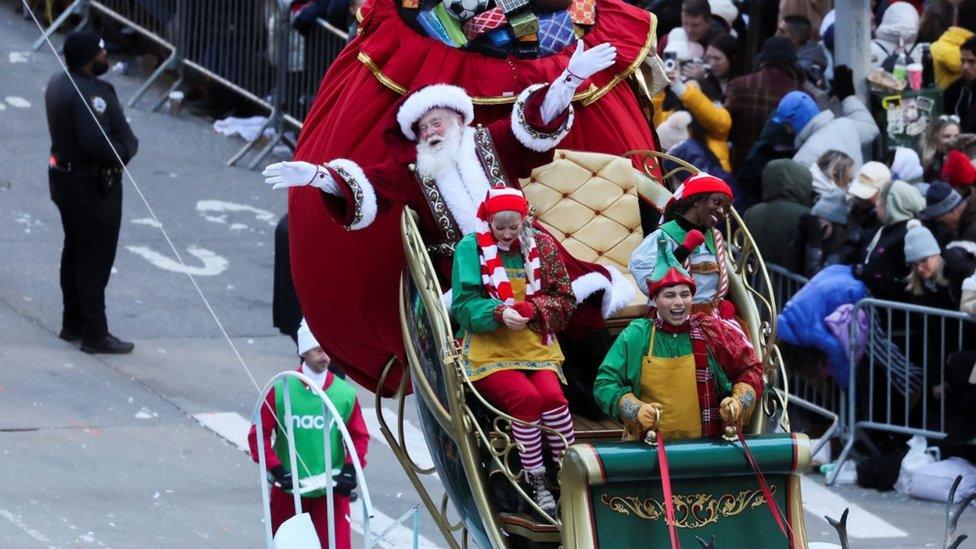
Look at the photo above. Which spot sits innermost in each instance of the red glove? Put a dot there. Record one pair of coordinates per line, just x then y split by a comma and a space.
525, 309
693, 239
726, 309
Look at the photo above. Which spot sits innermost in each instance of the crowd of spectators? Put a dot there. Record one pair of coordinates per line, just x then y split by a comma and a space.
822, 184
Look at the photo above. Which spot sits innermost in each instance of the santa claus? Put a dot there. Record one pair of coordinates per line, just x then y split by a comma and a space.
442, 166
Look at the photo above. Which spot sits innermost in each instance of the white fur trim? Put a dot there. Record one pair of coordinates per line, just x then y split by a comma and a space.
969, 283
618, 292
529, 136
436, 95
464, 189
967, 245
365, 205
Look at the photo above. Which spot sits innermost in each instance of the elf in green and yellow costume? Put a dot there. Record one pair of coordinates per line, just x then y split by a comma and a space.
691, 371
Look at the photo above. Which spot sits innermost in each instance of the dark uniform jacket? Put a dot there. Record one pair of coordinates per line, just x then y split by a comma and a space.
77, 142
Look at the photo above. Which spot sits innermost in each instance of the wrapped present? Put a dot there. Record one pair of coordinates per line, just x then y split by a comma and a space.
511, 6
523, 23
433, 27
583, 12
484, 22
555, 32
410, 4
500, 37
529, 38
451, 25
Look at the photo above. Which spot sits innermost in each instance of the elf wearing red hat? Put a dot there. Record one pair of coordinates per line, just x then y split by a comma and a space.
958, 169
699, 205
511, 295
647, 376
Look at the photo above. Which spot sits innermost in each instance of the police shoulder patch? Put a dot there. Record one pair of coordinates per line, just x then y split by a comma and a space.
99, 104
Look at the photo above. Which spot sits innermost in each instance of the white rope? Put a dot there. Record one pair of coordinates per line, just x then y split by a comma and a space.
159, 224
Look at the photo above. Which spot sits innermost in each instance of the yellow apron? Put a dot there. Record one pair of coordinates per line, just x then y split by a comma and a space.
505, 349
671, 382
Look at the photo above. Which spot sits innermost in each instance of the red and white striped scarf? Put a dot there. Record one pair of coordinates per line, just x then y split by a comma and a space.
493, 274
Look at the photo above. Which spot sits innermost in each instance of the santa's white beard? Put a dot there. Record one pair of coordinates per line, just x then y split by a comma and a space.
435, 160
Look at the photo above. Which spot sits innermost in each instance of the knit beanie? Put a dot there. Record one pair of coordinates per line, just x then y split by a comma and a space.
777, 50
940, 199
724, 9
306, 341
958, 170
81, 47
832, 206
919, 242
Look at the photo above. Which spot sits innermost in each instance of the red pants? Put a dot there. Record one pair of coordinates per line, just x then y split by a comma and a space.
524, 394
283, 508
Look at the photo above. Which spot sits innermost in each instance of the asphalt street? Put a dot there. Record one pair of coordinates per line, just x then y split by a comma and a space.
109, 451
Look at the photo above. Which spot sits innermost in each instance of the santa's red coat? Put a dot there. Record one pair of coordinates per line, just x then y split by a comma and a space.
348, 281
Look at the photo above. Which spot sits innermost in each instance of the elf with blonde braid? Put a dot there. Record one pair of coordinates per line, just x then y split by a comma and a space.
692, 371
511, 294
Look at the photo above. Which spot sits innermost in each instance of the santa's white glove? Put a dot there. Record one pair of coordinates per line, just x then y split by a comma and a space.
587, 62
282, 175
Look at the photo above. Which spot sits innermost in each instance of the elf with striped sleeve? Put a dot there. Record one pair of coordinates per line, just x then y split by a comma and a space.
511, 295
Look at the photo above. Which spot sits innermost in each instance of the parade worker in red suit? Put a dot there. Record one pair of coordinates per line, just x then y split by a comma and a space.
442, 166
309, 444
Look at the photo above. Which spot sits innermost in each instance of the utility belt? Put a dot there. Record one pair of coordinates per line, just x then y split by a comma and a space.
104, 177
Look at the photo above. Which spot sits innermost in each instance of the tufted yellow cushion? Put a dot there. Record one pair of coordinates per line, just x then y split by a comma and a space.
589, 203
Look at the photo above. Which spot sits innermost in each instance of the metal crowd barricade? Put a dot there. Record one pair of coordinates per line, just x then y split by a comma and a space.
247, 46
332, 420
819, 396
317, 52
905, 350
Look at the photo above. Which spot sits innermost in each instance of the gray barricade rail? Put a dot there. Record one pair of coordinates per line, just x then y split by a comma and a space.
246, 45
904, 353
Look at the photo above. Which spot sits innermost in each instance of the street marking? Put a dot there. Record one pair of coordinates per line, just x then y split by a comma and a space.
229, 425
148, 221
413, 437
15, 520
401, 536
18, 56
209, 207
213, 264
17, 101
819, 500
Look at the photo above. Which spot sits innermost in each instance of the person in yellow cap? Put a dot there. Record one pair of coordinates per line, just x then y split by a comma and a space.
683, 374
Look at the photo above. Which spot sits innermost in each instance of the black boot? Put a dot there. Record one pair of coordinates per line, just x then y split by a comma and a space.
107, 345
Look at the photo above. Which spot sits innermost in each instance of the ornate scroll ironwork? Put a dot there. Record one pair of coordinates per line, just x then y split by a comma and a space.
691, 510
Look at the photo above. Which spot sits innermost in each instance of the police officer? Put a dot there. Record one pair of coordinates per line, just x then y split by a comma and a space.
85, 178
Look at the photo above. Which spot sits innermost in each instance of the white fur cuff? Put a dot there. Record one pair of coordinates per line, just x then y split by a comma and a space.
364, 196
531, 137
618, 292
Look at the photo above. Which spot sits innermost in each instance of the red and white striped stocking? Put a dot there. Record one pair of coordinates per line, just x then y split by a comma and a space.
529, 446
561, 421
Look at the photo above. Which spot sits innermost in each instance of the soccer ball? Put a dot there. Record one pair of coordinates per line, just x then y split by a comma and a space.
465, 9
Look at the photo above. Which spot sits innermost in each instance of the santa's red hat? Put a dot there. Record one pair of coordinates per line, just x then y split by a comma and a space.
419, 102
502, 199
958, 169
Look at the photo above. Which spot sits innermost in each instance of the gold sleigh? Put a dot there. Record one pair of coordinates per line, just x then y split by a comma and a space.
588, 201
